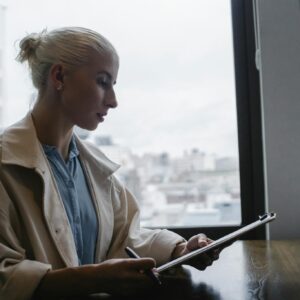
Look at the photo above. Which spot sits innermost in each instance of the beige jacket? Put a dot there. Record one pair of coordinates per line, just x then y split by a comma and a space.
35, 235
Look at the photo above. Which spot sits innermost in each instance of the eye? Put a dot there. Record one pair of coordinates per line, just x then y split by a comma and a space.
104, 81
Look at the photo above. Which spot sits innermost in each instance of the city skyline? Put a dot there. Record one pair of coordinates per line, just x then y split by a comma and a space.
191, 190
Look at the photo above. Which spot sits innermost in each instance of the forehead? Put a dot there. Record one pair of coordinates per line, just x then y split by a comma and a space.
103, 62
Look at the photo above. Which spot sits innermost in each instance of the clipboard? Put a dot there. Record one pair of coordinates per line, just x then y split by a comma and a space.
266, 218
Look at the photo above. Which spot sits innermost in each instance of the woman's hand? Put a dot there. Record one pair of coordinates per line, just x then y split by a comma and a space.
125, 276
114, 276
200, 261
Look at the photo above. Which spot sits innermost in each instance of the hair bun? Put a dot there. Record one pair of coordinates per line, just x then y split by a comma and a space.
28, 46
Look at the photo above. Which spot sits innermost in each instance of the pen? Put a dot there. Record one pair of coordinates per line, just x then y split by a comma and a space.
149, 272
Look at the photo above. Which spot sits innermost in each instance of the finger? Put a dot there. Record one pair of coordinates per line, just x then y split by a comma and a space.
202, 262
206, 259
214, 254
202, 235
195, 242
202, 241
155, 271
142, 263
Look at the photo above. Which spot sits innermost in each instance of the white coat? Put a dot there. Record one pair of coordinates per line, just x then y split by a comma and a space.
35, 234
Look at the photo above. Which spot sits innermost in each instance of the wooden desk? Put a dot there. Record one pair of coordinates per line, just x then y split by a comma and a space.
245, 270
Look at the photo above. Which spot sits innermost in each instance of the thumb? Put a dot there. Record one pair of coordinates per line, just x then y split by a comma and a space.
197, 241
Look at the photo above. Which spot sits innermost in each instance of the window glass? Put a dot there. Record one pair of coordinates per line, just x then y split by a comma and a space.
175, 129
2, 13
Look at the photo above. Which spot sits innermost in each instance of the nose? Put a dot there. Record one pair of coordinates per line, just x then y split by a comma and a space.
111, 99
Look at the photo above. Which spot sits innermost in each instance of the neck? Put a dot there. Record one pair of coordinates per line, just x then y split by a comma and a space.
51, 127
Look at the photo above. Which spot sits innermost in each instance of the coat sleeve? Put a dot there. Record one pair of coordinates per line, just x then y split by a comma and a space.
19, 277
158, 244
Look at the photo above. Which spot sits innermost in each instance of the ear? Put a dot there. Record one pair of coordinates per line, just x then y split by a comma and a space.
56, 76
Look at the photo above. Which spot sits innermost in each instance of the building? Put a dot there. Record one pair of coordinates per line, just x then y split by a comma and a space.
193, 161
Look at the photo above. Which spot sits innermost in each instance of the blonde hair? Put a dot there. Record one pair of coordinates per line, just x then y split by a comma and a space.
68, 45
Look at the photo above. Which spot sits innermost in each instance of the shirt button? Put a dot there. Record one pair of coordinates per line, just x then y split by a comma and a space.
70, 183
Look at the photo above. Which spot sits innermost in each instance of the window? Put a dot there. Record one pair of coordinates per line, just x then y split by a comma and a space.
2, 11
175, 131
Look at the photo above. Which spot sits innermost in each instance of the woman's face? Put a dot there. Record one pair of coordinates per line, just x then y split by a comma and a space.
88, 91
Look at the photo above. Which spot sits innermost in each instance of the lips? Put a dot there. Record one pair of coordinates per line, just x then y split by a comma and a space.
101, 116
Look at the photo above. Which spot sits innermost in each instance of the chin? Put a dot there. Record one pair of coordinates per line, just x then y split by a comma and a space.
89, 127
92, 128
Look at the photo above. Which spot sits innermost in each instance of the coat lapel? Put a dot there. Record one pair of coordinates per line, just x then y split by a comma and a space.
98, 170
57, 220
15, 152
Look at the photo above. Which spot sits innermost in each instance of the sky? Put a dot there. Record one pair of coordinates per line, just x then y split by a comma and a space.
176, 81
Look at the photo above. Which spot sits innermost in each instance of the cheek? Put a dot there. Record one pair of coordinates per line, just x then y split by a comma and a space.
90, 99
83, 98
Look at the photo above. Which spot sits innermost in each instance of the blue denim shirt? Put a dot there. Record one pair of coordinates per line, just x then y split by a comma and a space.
76, 196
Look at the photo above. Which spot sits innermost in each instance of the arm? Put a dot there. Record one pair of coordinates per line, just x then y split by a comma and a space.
162, 245
19, 276
156, 243
22, 278
116, 277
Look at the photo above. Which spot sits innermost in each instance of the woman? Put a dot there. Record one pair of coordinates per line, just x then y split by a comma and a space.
64, 217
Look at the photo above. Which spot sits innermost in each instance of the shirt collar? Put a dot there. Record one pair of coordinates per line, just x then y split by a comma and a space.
13, 151
52, 150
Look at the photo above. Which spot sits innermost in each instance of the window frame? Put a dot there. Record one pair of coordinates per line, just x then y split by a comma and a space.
249, 128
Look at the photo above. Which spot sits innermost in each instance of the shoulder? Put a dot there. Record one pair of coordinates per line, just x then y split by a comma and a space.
91, 153
19, 144
93, 149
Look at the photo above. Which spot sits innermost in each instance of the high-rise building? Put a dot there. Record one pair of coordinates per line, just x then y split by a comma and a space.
2, 40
